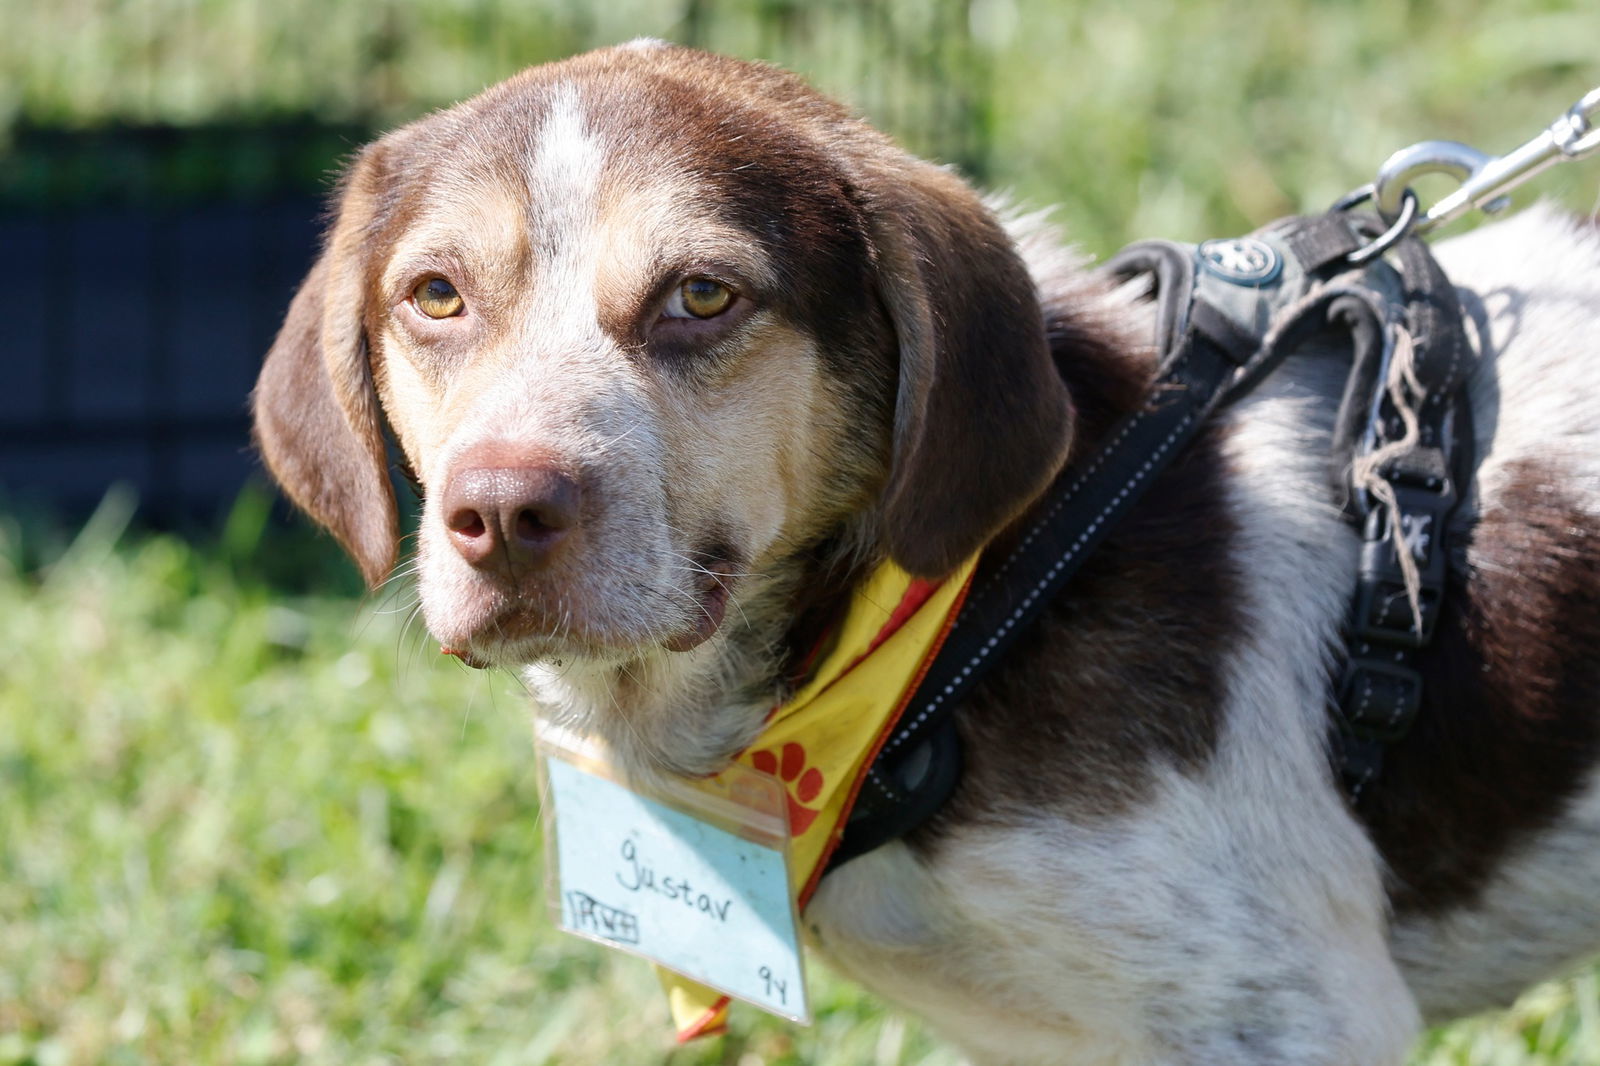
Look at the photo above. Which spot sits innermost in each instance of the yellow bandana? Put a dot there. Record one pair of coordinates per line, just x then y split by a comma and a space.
822, 741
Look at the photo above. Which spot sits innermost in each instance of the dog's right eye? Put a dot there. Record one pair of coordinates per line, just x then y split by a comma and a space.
437, 298
699, 297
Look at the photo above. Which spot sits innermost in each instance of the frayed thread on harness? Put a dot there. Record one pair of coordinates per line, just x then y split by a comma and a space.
1366, 471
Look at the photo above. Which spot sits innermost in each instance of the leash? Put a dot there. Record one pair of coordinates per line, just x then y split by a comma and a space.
1228, 312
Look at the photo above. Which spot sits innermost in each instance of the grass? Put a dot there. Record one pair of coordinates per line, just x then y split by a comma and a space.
246, 822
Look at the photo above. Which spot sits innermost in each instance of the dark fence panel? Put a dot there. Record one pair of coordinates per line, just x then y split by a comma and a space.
139, 337
158, 263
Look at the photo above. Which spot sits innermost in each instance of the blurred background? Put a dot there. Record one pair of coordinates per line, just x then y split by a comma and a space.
245, 815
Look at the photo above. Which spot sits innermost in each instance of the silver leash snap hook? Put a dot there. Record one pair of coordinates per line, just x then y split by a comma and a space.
1460, 161
1486, 180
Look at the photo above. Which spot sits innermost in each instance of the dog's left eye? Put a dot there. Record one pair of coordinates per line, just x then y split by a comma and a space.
437, 298
699, 298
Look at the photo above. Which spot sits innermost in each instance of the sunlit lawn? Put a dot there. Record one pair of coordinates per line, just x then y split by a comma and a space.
1178, 118
241, 823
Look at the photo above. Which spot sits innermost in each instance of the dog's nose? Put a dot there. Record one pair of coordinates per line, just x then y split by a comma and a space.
510, 519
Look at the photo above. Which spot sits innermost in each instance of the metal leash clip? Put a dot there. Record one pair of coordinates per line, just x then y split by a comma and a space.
1485, 179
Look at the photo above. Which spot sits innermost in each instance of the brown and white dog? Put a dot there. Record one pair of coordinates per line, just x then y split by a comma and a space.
680, 349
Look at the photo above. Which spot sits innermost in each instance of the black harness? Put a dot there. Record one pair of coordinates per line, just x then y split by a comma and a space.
1228, 313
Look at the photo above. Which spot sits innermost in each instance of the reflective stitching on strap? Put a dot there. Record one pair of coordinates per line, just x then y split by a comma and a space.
1103, 453
983, 652
1396, 709
1066, 498
881, 782
1361, 782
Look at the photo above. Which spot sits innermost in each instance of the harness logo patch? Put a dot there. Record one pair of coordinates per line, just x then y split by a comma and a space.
1242, 260
1416, 531
802, 784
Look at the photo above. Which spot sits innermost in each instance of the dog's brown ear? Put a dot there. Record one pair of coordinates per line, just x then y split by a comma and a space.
983, 421
316, 411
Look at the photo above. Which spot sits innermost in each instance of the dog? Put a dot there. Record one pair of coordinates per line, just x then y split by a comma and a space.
678, 350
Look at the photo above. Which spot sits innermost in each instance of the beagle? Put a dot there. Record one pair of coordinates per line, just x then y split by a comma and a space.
679, 350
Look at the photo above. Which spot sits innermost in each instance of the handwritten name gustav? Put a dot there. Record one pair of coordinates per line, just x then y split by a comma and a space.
640, 877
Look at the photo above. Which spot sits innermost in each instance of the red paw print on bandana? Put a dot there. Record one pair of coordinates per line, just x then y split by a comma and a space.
800, 788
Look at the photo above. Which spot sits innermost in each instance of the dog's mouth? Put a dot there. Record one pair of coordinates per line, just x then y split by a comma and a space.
713, 586
465, 655
522, 633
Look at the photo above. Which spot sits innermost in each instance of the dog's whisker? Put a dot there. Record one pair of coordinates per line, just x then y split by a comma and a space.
619, 438
466, 716
417, 636
407, 605
640, 745
718, 575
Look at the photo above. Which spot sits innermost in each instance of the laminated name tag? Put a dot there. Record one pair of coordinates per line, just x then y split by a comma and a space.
693, 876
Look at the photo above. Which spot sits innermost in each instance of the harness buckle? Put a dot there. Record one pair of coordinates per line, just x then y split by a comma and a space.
1379, 700
1383, 609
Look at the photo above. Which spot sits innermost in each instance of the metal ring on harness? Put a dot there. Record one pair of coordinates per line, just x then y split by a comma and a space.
1354, 198
1389, 237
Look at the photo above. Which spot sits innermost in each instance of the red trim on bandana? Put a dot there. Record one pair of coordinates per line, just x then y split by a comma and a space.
917, 593
911, 601
707, 1024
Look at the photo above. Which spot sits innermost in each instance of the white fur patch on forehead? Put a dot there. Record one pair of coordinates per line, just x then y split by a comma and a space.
566, 161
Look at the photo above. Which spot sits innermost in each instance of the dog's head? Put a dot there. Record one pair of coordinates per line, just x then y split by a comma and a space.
643, 322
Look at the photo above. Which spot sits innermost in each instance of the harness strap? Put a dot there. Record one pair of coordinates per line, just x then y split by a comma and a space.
1406, 480
1227, 312
909, 780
